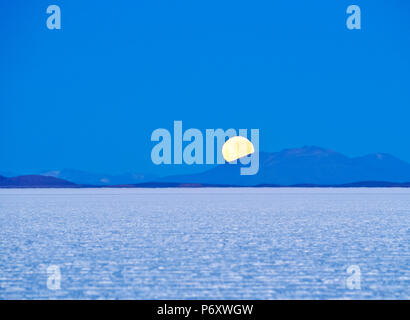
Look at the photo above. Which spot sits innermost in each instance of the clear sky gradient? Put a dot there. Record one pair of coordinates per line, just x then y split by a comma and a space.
88, 96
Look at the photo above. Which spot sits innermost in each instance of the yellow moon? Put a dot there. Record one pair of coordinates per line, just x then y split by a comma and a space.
237, 147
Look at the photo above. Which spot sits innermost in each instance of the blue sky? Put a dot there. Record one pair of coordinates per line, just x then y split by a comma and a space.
88, 96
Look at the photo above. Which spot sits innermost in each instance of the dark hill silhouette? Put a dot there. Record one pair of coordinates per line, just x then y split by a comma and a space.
35, 181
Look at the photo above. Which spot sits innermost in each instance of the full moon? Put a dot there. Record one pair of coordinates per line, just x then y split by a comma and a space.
237, 147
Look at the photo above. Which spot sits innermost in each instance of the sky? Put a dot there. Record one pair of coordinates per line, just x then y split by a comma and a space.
89, 96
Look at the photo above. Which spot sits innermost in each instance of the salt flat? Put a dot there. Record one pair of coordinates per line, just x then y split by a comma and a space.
205, 243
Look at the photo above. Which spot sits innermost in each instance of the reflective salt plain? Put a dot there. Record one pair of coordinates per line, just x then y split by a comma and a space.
205, 243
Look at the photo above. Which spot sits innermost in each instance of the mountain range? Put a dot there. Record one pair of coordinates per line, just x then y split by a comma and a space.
307, 166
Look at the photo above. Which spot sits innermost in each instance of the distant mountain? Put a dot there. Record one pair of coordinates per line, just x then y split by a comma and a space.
308, 166
304, 166
35, 181
81, 177
7, 174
